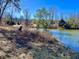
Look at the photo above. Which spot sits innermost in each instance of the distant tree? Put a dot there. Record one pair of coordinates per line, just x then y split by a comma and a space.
64, 24
73, 21
41, 13
5, 3
52, 12
26, 14
41, 23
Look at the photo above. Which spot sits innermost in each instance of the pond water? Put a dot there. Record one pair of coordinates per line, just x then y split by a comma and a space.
69, 38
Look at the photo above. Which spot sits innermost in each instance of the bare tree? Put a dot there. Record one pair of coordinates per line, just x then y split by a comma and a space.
5, 3
26, 14
52, 12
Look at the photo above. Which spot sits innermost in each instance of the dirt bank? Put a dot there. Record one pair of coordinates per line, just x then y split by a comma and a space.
32, 45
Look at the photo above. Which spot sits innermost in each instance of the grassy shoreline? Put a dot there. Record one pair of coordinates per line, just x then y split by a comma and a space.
33, 45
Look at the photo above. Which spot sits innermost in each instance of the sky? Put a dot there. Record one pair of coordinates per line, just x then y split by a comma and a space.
62, 6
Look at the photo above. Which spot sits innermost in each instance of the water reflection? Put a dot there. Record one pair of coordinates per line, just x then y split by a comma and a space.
69, 38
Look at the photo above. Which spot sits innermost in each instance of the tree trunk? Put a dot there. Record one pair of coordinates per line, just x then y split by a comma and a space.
1, 14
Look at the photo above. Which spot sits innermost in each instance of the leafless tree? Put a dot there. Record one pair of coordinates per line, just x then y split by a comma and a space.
52, 12
26, 14
5, 3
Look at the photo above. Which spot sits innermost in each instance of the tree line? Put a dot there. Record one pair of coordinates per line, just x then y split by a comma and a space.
43, 17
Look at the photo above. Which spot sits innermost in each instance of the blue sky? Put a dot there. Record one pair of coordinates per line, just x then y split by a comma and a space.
63, 6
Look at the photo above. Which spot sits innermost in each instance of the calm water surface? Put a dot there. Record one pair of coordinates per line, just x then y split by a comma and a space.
69, 38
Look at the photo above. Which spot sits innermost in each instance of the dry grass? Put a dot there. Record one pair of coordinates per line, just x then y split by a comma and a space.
40, 49
8, 28
46, 36
37, 35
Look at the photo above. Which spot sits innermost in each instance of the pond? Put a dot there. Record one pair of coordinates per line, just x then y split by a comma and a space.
70, 38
